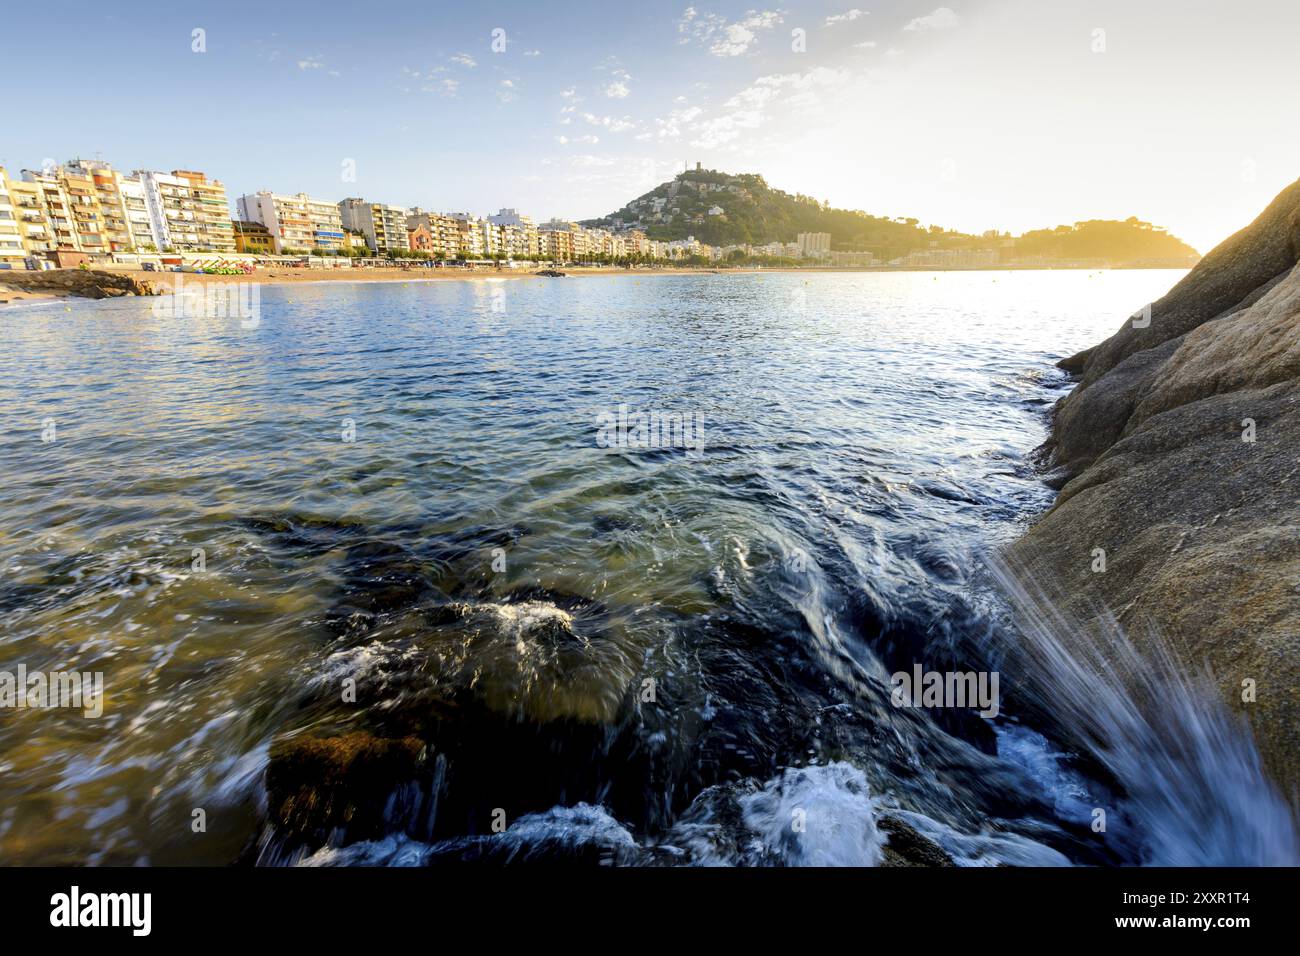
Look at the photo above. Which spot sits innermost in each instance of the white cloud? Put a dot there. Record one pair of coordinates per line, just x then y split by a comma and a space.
942, 19
311, 63
619, 89
724, 129
587, 161
464, 59
750, 107
846, 17
725, 38
588, 140
532, 53
670, 127
611, 123
865, 45
506, 91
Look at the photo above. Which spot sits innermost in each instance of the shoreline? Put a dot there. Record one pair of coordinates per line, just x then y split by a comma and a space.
159, 281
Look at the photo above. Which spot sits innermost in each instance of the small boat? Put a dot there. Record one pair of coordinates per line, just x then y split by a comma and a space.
550, 273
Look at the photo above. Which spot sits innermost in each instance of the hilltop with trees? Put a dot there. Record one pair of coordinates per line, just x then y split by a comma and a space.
722, 209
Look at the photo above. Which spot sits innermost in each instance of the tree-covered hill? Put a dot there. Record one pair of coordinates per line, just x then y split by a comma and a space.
723, 209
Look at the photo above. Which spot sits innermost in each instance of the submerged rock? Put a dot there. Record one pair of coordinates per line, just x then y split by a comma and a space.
906, 847
1182, 443
317, 786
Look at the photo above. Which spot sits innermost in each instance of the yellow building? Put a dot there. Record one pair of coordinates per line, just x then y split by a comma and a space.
29, 212
12, 249
253, 238
52, 202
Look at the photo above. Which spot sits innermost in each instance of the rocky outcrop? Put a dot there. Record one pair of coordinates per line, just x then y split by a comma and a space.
85, 283
1180, 453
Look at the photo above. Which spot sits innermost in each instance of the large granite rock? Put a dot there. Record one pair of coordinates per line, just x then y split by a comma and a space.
85, 283
1182, 442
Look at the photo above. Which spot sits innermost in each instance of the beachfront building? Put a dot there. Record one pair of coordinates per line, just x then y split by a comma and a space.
187, 211
252, 238
84, 210
512, 235
443, 241
469, 235
87, 207
814, 245
390, 228
119, 223
296, 223
136, 209
420, 239
29, 209
383, 226
44, 191
855, 260
13, 252
685, 248
555, 240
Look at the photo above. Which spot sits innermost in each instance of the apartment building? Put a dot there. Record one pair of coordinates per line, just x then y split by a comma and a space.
12, 249
814, 245
136, 209
383, 226
29, 210
420, 239
118, 205
468, 234
511, 235
42, 191
84, 210
444, 235
555, 240
123, 211
390, 228
297, 222
187, 211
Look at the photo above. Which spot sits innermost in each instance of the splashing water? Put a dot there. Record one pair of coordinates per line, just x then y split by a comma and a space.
1195, 791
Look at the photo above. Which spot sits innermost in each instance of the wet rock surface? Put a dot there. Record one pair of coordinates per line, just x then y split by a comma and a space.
1182, 446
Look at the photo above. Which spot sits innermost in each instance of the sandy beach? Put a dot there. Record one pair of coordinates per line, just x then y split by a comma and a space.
283, 276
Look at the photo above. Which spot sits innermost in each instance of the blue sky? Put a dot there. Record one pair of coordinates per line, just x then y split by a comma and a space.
983, 114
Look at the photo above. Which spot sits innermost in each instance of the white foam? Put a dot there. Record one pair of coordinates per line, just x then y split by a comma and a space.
816, 816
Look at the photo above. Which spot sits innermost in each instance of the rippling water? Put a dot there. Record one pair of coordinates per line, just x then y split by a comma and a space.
640, 655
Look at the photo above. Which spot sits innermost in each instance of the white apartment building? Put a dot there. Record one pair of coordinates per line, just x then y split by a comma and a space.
515, 235
296, 222
136, 209
383, 226
814, 245
187, 211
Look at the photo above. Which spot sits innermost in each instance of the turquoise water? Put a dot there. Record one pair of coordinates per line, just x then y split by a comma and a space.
407, 486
